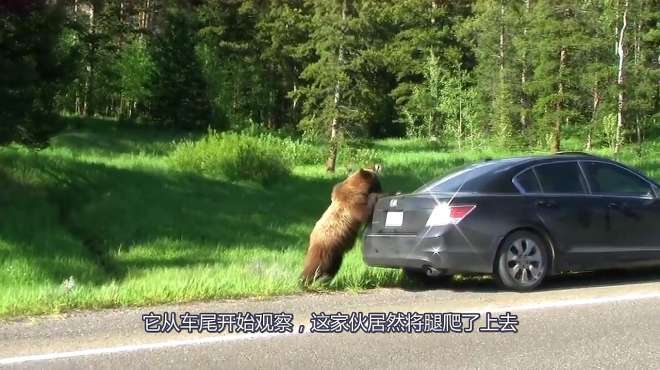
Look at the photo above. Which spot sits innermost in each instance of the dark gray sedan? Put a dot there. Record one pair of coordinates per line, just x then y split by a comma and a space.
520, 219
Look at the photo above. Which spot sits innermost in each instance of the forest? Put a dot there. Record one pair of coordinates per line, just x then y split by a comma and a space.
523, 74
157, 151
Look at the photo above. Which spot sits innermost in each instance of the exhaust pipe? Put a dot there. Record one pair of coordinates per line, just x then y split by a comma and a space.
432, 271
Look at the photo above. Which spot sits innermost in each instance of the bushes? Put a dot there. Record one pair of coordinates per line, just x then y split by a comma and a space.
231, 156
262, 158
354, 158
295, 152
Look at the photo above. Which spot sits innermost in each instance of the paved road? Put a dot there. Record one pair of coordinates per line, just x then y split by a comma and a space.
586, 321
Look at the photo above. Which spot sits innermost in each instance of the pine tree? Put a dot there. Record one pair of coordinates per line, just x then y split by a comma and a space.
558, 64
419, 33
491, 32
595, 83
34, 68
179, 95
620, 80
328, 93
240, 85
643, 88
279, 27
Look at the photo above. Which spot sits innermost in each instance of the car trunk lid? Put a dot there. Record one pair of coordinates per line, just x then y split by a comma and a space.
405, 214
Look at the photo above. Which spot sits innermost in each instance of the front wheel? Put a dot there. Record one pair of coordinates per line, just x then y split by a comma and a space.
522, 261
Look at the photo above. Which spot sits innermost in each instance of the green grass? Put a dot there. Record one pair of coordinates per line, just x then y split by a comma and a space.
103, 205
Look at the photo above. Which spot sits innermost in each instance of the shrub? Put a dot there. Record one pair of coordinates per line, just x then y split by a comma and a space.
231, 156
296, 152
354, 158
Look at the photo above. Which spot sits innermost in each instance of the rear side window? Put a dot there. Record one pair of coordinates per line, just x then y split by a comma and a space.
605, 178
562, 177
455, 181
527, 182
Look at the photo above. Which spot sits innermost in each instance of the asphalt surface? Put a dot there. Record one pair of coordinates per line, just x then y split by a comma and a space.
604, 320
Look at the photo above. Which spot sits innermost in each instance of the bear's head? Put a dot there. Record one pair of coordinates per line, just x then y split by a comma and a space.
370, 175
362, 182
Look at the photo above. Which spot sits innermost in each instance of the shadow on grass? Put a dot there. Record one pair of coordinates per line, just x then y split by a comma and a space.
104, 136
417, 173
573, 280
422, 145
102, 212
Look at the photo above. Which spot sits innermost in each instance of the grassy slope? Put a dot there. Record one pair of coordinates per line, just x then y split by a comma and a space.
103, 206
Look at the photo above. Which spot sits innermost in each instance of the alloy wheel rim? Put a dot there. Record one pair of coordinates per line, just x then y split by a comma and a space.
524, 261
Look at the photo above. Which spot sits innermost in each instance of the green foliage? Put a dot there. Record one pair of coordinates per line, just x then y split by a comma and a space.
180, 96
293, 151
233, 157
455, 71
608, 130
136, 69
102, 219
33, 68
423, 112
354, 158
459, 107
557, 66
490, 31
145, 255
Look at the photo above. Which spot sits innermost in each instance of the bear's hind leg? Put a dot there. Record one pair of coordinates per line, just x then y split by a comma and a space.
321, 264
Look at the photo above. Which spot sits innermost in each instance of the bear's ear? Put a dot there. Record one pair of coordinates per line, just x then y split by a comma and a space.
376, 168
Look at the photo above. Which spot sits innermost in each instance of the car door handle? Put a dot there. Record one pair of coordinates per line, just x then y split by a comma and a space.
615, 205
624, 208
547, 203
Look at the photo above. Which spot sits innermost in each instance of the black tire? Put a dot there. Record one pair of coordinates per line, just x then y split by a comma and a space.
522, 261
419, 277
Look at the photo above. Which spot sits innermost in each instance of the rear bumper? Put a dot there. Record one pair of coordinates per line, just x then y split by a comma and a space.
443, 248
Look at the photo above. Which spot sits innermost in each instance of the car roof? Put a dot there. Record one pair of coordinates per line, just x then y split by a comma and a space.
524, 161
501, 171
513, 165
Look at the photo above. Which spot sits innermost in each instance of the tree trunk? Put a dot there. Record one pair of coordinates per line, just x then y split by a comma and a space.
523, 99
331, 163
620, 82
636, 59
556, 145
88, 104
434, 6
594, 109
502, 113
501, 45
460, 109
639, 135
78, 103
144, 15
523, 76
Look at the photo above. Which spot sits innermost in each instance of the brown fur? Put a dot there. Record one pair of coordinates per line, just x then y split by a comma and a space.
335, 232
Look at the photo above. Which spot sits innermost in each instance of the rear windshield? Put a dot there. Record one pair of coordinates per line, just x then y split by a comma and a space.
456, 180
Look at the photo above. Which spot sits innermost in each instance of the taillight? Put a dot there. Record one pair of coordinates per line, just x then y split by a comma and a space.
444, 214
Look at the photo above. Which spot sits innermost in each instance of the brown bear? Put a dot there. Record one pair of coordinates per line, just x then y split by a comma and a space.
352, 206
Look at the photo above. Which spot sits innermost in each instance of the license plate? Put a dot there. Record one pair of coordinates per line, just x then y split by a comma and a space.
394, 219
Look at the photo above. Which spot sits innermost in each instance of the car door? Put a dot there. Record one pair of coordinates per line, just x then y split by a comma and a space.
567, 212
629, 210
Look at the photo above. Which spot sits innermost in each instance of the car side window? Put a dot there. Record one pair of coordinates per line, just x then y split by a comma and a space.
527, 182
564, 177
605, 178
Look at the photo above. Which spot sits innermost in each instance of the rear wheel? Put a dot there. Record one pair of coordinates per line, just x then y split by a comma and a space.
522, 261
419, 276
